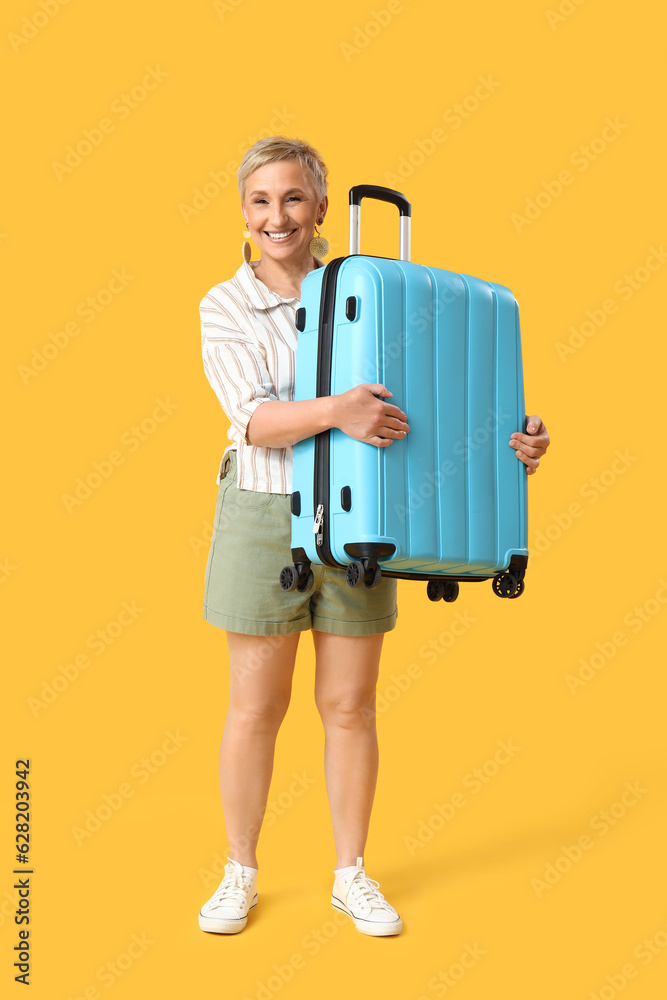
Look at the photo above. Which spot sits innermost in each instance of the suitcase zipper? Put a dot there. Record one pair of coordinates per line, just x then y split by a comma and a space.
318, 526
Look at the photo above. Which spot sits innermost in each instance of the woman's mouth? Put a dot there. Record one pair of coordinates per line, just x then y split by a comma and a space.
280, 237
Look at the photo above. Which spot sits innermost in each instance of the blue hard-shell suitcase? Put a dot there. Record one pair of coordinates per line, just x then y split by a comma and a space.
448, 502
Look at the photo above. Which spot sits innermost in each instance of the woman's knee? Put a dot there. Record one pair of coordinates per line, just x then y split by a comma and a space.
260, 715
352, 710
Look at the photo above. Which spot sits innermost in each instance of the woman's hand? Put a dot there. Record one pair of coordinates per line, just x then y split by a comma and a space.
359, 413
531, 446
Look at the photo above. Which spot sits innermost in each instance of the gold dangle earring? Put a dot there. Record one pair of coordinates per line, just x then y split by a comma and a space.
319, 246
247, 250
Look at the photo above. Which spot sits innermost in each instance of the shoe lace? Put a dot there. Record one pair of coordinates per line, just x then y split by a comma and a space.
369, 891
233, 888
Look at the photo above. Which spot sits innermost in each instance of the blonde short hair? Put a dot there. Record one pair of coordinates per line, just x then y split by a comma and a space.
276, 148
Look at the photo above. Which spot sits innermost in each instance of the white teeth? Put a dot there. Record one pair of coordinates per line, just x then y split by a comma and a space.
280, 236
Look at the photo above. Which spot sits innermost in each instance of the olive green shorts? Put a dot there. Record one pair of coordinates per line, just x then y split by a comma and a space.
250, 545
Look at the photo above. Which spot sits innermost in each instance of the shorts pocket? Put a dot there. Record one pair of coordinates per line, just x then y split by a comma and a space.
249, 499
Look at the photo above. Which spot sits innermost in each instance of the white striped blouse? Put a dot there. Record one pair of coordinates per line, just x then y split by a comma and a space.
249, 344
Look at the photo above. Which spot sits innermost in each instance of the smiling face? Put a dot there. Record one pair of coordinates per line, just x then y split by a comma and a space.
282, 209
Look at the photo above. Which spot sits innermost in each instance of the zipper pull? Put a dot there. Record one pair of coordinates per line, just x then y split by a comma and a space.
318, 528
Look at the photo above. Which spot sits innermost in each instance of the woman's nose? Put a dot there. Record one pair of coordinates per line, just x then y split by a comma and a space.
278, 215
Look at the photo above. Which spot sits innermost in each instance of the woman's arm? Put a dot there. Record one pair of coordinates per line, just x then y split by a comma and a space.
357, 412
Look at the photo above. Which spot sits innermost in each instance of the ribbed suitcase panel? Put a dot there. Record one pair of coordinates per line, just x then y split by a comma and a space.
428, 519
358, 357
449, 350
481, 523
418, 530
410, 515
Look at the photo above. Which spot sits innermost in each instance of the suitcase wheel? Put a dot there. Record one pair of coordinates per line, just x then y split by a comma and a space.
289, 578
519, 591
506, 585
446, 590
373, 577
305, 582
355, 573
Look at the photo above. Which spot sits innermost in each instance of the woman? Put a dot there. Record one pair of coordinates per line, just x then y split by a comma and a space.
249, 343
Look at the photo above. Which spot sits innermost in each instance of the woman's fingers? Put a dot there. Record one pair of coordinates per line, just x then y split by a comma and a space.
533, 450
394, 411
530, 463
396, 423
367, 416
376, 389
531, 446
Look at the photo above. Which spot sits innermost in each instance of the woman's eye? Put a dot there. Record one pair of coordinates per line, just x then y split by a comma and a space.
262, 201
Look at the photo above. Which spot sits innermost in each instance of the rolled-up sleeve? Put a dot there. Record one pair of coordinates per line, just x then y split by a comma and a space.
234, 364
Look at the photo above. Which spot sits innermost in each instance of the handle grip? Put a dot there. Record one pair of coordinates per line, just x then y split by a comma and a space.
380, 194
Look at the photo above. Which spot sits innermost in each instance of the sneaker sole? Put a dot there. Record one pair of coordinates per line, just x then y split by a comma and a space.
224, 926
372, 927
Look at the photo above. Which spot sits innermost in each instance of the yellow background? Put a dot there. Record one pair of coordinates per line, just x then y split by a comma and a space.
366, 84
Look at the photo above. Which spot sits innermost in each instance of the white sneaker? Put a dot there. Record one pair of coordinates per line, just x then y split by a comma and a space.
226, 912
358, 895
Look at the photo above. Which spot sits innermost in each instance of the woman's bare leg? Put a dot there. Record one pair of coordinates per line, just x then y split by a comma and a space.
345, 680
261, 669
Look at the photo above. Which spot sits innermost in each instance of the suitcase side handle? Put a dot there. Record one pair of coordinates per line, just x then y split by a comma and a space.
380, 194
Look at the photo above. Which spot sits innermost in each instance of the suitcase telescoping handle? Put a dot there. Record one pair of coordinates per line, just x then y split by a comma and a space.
381, 194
